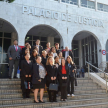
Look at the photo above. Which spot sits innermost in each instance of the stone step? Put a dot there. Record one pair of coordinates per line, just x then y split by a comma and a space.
3, 91
19, 82
76, 87
21, 100
87, 84
79, 84
96, 105
30, 103
77, 96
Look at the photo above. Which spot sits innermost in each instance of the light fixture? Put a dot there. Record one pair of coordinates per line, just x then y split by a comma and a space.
100, 50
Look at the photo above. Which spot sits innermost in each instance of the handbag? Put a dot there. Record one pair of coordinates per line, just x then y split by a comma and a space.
27, 85
53, 87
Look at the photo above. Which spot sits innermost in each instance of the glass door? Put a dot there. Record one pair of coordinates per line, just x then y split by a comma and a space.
5, 42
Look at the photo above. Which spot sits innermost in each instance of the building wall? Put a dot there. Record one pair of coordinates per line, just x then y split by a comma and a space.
68, 28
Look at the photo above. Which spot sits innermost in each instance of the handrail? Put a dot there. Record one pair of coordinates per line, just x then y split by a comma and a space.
96, 68
105, 74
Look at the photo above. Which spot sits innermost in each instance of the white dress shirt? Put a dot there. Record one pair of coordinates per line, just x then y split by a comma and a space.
38, 48
66, 54
54, 54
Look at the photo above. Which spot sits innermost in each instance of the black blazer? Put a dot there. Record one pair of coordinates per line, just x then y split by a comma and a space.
26, 69
60, 71
23, 51
51, 71
72, 74
22, 54
40, 49
33, 59
70, 54
44, 60
35, 74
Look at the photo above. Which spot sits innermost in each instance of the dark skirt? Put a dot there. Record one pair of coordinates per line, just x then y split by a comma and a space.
40, 85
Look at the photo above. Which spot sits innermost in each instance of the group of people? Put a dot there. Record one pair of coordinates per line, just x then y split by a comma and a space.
42, 67
80, 72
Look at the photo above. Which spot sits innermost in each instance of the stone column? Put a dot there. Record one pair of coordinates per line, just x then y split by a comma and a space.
13, 37
80, 54
79, 3
99, 54
51, 40
96, 5
103, 57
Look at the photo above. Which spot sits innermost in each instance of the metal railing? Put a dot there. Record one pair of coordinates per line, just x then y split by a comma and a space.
105, 74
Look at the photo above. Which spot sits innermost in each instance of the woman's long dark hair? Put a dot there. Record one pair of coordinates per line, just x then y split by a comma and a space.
55, 58
62, 59
32, 55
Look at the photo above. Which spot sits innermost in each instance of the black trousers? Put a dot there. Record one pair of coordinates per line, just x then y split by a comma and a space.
25, 92
64, 89
51, 93
70, 90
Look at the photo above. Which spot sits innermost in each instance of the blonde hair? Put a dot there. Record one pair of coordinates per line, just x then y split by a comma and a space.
44, 51
47, 63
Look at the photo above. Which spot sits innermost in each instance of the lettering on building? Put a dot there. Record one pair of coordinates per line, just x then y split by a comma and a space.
62, 16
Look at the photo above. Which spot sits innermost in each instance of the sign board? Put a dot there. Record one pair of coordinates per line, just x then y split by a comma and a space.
104, 52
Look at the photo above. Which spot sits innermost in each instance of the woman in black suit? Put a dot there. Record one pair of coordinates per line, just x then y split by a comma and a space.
38, 79
71, 66
63, 76
51, 77
26, 71
34, 56
22, 57
56, 58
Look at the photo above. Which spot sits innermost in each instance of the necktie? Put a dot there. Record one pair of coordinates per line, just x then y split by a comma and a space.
16, 48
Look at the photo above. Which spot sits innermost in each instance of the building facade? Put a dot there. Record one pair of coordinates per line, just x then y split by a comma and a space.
82, 25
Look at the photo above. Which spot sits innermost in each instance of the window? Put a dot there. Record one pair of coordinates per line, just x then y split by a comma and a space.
88, 4
102, 7
32, 39
5, 42
74, 2
75, 50
89, 50
57, 40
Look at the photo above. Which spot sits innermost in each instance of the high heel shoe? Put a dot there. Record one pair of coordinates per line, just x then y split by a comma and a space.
35, 101
41, 101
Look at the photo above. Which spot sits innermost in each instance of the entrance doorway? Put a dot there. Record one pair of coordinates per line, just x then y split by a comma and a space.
7, 35
45, 34
84, 46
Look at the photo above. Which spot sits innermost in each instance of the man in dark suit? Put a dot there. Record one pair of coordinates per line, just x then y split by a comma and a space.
57, 48
67, 53
14, 55
40, 48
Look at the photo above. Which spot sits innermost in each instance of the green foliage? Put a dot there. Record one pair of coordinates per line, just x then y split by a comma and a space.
9, 1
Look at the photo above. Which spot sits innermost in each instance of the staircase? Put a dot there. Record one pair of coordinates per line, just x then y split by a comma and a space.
87, 95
